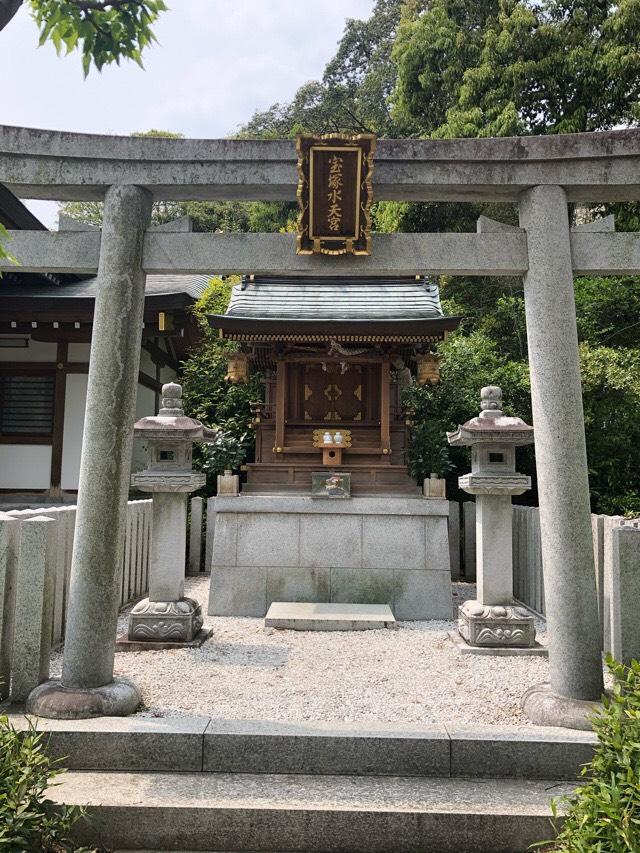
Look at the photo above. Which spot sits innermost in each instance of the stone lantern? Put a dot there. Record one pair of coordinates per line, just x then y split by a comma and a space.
492, 619
166, 616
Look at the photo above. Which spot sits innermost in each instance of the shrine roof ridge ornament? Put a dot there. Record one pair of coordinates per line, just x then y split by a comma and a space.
601, 166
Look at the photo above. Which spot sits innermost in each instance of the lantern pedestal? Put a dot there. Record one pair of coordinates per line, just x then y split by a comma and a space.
165, 621
496, 627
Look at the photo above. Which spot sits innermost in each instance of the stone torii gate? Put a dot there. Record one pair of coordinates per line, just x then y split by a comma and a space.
540, 174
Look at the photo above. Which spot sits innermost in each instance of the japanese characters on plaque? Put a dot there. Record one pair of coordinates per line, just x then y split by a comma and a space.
334, 193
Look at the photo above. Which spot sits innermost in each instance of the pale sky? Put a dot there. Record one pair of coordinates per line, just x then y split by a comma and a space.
215, 64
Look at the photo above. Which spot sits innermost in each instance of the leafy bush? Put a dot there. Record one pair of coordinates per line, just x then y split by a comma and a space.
611, 397
211, 398
29, 822
468, 362
604, 814
428, 451
226, 452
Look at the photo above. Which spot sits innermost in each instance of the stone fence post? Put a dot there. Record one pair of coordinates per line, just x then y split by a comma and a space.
622, 591
195, 536
9, 531
454, 539
210, 530
29, 585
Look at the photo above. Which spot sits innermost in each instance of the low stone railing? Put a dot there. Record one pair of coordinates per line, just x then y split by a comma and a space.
35, 563
528, 582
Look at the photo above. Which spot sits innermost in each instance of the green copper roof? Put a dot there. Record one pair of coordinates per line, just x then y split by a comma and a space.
345, 298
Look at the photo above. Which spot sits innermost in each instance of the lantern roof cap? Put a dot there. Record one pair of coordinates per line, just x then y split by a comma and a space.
492, 425
171, 422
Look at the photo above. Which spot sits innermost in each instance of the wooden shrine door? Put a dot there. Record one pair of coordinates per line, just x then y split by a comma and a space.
334, 392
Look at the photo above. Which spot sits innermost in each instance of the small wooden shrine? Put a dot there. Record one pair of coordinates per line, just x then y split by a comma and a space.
336, 354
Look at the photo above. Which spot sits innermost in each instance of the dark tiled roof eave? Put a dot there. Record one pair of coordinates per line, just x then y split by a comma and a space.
11, 286
272, 326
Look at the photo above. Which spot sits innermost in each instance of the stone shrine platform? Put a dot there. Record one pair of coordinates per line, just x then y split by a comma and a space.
302, 616
391, 550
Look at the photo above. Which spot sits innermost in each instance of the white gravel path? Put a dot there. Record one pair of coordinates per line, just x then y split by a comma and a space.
409, 675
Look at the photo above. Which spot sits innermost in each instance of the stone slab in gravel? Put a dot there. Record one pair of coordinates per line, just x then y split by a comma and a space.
410, 675
306, 616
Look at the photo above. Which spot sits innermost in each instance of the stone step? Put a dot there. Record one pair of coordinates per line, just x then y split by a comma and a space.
305, 616
196, 744
305, 814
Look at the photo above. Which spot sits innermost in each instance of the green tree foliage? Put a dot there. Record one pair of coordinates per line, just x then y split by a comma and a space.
354, 92
603, 816
510, 67
503, 67
475, 68
211, 398
469, 361
29, 821
611, 394
608, 310
104, 31
490, 348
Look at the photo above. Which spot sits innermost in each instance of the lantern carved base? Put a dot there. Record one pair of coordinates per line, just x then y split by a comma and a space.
165, 621
496, 626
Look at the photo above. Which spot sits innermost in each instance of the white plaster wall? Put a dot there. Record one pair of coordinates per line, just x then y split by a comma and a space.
79, 352
36, 351
74, 403
25, 466
145, 405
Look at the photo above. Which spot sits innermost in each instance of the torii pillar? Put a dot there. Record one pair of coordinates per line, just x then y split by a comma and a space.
88, 688
576, 682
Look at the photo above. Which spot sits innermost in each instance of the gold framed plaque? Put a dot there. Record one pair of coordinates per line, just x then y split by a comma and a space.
334, 193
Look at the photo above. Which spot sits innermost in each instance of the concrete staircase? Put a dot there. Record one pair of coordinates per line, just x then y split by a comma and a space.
204, 785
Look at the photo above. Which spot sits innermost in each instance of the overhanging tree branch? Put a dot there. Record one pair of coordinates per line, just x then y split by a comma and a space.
97, 6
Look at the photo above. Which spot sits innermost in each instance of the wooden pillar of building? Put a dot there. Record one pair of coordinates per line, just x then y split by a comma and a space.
280, 404
385, 405
59, 394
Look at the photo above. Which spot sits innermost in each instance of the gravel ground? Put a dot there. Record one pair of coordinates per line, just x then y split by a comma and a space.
410, 675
